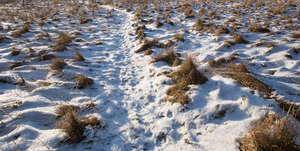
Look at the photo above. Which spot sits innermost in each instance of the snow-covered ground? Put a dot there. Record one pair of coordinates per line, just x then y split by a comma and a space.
129, 91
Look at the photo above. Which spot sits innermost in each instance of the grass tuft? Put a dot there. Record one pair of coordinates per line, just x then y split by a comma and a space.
58, 64
82, 82
170, 57
18, 33
271, 133
72, 126
63, 39
258, 28
187, 74
148, 43
78, 56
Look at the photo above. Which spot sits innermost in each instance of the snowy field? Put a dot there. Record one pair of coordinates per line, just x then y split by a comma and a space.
249, 55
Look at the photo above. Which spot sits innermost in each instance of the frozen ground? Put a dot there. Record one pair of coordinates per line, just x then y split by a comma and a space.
128, 91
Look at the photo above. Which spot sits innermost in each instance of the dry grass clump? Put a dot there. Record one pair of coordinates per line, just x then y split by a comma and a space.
58, 64
63, 39
187, 74
189, 13
291, 108
73, 125
148, 43
222, 30
271, 133
82, 82
139, 32
221, 62
170, 57
62, 110
18, 33
198, 26
148, 52
78, 56
59, 48
266, 44
83, 20
258, 28
238, 39
179, 37
241, 74
45, 57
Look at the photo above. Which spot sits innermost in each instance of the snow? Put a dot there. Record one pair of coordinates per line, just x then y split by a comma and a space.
129, 94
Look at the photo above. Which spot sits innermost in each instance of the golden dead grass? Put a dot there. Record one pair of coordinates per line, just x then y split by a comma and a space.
222, 61
272, 133
72, 124
18, 33
238, 39
186, 75
78, 56
291, 108
148, 43
242, 75
45, 57
63, 39
170, 57
82, 82
58, 64
258, 28
62, 110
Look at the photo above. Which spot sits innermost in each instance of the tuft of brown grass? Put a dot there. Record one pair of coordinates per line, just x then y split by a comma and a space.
258, 28
72, 126
242, 75
59, 48
221, 62
18, 33
82, 82
198, 26
170, 57
63, 39
291, 108
62, 110
189, 13
78, 56
83, 20
179, 37
58, 64
272, 133
45, 57
148, 43
222, 30
148, 52
139, 32
187, 74
238, 39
